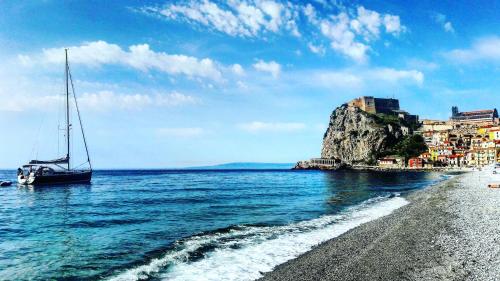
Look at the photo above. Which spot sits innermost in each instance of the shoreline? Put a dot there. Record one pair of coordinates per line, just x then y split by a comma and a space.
434, 237
384, 169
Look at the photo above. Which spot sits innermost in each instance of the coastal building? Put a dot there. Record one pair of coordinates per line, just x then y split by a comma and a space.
327, 162
440, 137
435, 125
484, 154
477, 141
426, 156
442, 159
416, 163
484, 130
494, 134
488, 116
433, 151
391, 162
456, 160
444, 150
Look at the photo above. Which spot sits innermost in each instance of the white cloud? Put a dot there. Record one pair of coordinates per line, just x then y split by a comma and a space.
236, 17
320, 50
393, 75
104, 100
99, 101
271, 67
448, 27
349, 31
393, 25
360, 79
180, 132
257, 126
342, 38
351, 35
140, 57
484, 49
238, 69
310, 13
368, 23
441, 20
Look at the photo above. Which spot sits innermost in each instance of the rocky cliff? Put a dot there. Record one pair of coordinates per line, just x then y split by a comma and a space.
356, 137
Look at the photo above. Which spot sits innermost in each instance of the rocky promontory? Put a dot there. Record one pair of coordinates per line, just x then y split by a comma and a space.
355, 137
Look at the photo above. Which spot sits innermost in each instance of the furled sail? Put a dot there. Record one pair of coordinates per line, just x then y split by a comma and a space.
63, 160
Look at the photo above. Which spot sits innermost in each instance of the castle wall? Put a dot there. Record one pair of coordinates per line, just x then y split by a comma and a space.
386, 106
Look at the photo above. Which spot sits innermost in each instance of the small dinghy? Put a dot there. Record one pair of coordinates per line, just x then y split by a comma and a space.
5, 183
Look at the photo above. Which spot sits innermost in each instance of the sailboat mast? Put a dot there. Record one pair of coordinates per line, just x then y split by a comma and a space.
67, 107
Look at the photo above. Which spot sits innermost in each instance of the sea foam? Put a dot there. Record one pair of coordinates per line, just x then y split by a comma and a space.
246, 252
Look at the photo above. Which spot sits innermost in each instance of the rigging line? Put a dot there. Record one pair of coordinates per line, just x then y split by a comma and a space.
67, 110
34, 150
79, 117
59, 113
81, 165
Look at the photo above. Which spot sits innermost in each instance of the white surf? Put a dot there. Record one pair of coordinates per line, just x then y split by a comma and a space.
245, 253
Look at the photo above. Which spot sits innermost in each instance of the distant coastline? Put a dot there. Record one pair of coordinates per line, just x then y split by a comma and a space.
244, 166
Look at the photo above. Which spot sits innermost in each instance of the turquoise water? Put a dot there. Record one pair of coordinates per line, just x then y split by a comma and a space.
185, 225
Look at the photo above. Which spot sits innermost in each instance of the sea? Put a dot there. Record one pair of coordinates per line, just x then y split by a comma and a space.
186, 224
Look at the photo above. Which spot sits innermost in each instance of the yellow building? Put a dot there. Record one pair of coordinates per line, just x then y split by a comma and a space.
483, 130
494, 134
434, 151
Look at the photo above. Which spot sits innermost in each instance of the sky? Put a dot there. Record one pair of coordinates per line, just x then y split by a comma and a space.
164, 84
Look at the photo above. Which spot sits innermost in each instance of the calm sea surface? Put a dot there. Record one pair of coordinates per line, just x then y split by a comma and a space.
185, 225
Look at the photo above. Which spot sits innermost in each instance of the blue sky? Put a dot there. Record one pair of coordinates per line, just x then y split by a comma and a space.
185, 83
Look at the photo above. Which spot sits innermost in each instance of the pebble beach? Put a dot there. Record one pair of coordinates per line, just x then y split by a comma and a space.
449, 231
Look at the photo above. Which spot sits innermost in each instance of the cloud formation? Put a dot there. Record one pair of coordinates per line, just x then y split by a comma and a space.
484, 49
235, 17
238, 69
319, 49
271, 67
359, 79
99, 101
139, 57
349, 32
445, 24
104, 100
351, 35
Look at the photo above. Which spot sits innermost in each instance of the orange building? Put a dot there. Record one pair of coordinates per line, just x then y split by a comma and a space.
416, 163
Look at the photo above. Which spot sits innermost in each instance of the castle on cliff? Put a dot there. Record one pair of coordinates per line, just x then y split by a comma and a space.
387, 106
467, 140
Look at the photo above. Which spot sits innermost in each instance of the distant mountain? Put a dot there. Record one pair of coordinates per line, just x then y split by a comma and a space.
245, 166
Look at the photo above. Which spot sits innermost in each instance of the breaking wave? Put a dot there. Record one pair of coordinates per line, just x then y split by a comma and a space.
246, 252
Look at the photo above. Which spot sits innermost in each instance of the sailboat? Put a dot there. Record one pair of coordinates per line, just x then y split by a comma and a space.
58, 171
